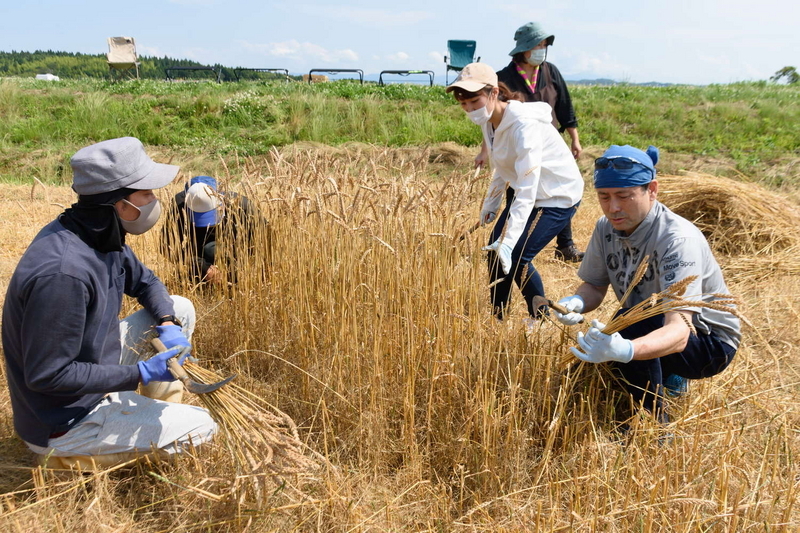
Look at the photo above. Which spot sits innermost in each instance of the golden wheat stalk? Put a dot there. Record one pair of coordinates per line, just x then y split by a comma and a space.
669, 300
259, 437
672, 299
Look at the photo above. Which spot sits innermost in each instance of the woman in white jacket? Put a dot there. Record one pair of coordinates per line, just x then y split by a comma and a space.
535, 170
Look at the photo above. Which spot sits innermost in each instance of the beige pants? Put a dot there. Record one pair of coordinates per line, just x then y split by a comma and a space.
125, 425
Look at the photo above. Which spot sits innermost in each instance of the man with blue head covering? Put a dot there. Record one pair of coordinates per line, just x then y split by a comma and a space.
657, 355
203, 215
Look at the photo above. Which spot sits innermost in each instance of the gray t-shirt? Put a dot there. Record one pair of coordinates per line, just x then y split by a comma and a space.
677, 249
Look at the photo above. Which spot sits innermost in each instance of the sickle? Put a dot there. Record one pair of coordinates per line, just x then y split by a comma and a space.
539, 301
180, 373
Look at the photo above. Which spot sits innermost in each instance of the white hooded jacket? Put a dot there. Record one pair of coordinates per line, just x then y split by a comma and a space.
529, 155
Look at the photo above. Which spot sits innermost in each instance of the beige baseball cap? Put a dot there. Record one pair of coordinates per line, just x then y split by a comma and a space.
474, 77
201, 198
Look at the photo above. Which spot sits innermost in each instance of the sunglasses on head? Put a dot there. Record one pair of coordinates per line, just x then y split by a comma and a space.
617, 163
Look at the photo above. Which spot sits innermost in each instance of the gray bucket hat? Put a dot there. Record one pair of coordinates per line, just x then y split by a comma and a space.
116, 164
529, 35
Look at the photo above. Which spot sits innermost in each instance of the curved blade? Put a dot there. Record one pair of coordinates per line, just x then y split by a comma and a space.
202, 388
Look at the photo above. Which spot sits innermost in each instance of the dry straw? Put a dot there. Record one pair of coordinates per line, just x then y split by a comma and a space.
736, 217
262, 440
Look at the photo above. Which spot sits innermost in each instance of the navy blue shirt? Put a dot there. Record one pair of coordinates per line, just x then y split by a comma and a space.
60, 329
559, 98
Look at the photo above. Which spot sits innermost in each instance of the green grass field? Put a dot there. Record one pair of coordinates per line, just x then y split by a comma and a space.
745, 128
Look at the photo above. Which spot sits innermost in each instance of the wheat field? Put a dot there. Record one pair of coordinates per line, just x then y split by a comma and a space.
363, 315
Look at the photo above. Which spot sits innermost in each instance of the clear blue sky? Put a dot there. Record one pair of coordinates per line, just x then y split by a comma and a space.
677, 41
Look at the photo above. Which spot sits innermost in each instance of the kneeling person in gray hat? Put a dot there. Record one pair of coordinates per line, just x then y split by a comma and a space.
72, 365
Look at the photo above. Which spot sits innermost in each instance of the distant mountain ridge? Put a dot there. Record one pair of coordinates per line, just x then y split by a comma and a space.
606, 81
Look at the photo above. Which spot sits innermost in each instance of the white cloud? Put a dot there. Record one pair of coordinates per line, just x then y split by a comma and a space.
399, 57
601, 65
717, 61
201, 55
728, 70
298, 51
381, 18
524, 12
436, 56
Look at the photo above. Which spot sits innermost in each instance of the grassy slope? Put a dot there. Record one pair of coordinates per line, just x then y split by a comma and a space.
746, 128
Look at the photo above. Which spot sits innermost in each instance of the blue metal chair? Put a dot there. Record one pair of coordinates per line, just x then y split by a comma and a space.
461, 54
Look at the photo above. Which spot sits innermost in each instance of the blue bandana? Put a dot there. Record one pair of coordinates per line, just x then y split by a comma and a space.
641, 167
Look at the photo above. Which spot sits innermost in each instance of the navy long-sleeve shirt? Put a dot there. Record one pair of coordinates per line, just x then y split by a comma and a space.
60, 329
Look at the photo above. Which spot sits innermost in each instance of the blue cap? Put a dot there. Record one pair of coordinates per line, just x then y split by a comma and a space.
642, 171
208, 180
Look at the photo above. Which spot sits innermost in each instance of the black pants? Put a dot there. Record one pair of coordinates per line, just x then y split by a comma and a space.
564, 237
551, 221
703, 357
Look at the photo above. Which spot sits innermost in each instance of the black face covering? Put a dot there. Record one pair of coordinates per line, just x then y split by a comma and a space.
95, 220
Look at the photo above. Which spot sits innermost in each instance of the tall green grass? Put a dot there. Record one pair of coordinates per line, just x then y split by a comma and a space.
750, 126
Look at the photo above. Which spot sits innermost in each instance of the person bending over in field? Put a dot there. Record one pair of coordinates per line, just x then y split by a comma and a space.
536, 172
72, 366
203, 215
530, 78
657, 355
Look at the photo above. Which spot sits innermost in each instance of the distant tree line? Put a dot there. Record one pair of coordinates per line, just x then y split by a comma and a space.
67, 65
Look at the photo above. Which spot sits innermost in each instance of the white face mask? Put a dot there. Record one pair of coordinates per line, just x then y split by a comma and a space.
148, 216
537, 56
479, 116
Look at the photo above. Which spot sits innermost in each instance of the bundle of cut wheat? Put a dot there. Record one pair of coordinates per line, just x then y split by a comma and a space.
736, 217
673, 298
261, 439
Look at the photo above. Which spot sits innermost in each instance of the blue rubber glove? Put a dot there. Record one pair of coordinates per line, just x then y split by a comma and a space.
600, 348
503, 251
155, 368
172, 336
573, 304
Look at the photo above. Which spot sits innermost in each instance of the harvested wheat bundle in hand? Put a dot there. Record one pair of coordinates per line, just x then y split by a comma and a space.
672, 299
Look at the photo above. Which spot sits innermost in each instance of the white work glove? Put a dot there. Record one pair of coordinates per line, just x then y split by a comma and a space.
503, 251
487, 216
573, 304
600, 348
